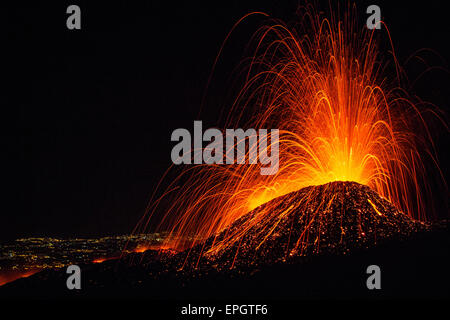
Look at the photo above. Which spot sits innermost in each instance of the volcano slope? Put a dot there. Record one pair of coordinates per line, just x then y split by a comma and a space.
315, 242
335, 218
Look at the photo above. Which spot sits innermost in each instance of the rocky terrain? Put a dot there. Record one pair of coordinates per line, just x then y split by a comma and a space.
315, 242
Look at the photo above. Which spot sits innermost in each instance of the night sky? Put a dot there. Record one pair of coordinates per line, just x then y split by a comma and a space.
86, 127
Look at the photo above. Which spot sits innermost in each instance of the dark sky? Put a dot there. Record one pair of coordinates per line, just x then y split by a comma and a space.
86, 132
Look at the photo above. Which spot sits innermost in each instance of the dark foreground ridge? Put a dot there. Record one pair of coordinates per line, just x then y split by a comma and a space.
313, 243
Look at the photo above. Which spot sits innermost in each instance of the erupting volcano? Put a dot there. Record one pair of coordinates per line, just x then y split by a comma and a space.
343, 116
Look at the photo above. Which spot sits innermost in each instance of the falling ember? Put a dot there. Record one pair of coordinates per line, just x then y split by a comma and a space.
340, 116
374, 207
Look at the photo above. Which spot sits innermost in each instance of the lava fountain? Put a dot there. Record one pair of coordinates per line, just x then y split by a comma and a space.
341, 115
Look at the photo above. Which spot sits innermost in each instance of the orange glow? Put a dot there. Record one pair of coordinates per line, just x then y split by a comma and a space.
162, 248
341, 118
142, 248
11, 276
100, 260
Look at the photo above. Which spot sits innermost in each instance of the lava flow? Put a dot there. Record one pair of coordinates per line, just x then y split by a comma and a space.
342, 116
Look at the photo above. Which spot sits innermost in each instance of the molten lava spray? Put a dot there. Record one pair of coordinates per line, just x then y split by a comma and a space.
341, 117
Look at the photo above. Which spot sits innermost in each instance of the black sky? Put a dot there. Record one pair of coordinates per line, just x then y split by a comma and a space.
86, 128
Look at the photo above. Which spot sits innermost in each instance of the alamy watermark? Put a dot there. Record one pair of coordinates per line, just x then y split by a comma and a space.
231, 149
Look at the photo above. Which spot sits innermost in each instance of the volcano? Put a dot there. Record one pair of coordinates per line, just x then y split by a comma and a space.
313, 242
335, 218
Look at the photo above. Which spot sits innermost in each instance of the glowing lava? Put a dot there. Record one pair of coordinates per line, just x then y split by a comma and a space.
10, 276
